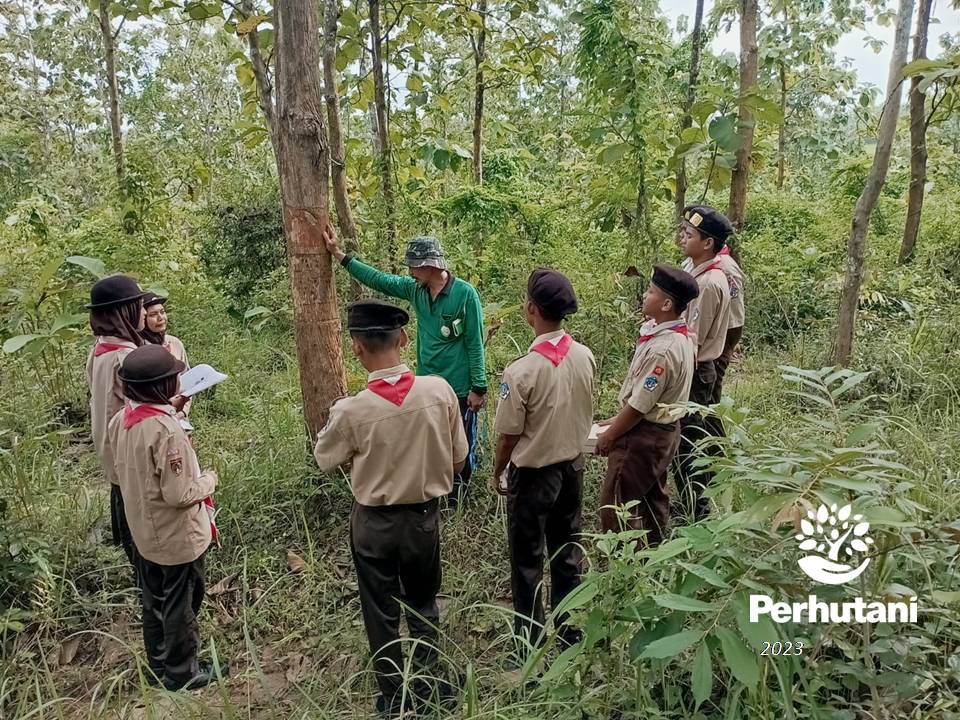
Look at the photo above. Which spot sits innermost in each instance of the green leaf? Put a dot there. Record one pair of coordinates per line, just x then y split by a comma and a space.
723, 130
613, 153
18, 342
706, 573
681, 602
250, 24
742, 662
701, 675
255, 312
65, 321
580, 596
91, 265
414, 83
672, 645
861, 433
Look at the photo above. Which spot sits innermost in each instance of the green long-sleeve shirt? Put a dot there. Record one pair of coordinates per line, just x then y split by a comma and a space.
449, 329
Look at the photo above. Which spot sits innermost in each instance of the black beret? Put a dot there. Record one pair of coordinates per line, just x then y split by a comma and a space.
149, 363
114, 290
710, 222
552, 292
151, 298
375, 315
676, 283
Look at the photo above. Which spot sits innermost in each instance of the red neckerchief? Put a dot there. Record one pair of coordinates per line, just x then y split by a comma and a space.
682, 329
395, 393
725, 250
554, 353
166, 346
133, 415
102, 348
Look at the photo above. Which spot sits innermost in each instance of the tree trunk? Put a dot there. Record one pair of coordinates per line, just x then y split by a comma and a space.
384, 160
782, 135
261, 75
696, 40
857, 244
918, 140
113, 93
479, 56
338, 155
737, 209
302, 164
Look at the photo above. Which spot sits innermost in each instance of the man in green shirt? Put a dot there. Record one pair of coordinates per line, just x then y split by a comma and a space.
449, 326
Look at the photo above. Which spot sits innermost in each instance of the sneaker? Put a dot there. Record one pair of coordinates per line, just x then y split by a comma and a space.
206, 675
392, 710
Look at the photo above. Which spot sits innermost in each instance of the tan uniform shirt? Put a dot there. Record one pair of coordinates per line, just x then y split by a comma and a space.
708, 315
163, 488
402, 454
661, 372
737, 281
173, 345
106, 397
549, 406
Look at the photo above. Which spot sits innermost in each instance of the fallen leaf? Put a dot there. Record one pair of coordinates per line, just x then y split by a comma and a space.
788, 511
297, 663
224, 586
68, 650
257, 593
295, 562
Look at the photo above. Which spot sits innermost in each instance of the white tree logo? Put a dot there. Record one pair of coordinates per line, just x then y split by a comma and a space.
826, 532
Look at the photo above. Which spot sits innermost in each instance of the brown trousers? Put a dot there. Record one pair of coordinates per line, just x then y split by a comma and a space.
637, 470
543, 513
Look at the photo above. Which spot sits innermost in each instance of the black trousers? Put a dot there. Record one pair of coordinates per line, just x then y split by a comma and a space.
462, 479
172, 596
691, 481
543, 509
119, 527
396, 550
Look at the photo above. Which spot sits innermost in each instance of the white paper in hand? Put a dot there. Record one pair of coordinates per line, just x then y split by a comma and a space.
590, 446
199, 378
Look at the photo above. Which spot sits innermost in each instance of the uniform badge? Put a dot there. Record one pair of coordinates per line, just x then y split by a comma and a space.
695, 219
445, 331
734, 290
696, 314
176, 462
658, 370
504, 391
650, 383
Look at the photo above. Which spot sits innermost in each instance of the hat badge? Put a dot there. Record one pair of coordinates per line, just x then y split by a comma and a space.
696, 219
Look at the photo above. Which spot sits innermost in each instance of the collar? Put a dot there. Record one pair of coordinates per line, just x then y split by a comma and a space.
650, 329
135, 412
389, 372
551, 337
711, 264
445, 290
111, 340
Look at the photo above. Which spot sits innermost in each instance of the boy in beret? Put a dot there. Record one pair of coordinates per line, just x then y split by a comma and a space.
543, 418
164, 491
642, 439
704, 234
449, 327
405, 438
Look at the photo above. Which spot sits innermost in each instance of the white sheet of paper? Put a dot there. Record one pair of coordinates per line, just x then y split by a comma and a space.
591, 444
199, 378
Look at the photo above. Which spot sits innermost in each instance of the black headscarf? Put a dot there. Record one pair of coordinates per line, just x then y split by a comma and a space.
156, 393
155, 338
119, 320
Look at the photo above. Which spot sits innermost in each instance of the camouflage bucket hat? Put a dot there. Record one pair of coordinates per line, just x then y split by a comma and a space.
425, 251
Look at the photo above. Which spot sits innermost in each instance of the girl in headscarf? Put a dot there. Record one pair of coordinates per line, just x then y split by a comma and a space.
116, 318
155, 333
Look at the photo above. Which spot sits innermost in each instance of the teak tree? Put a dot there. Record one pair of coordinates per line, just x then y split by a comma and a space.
749, 56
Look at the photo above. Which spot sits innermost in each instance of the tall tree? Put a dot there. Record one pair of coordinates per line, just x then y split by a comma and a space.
113, 94
749, 55
384, 150
782, 131
261, 69
857, 244
302, 163
918, 139
479, 57
696, 41
338, 154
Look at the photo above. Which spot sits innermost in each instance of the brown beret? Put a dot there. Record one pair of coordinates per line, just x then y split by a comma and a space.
552, 292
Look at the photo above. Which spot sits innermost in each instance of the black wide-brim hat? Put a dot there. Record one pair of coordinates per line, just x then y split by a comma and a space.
114, 290
148, 364
375, 315
151, 298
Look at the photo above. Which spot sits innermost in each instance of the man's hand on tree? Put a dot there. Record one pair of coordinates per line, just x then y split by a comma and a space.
333, 246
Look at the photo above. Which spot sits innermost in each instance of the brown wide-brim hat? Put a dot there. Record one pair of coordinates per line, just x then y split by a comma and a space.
149, 364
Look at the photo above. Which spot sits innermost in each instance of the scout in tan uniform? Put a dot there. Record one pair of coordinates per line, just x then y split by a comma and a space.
705, 232
163, 490
405, 437
155, 332
642, 439
543, 418
116, 317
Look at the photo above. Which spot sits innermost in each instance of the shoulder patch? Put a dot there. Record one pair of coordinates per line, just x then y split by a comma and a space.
175, 459
504, 391
658, 370
650, 383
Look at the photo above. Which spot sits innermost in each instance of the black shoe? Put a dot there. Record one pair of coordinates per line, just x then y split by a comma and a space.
392, 710
206, 675
154, 677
